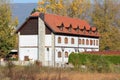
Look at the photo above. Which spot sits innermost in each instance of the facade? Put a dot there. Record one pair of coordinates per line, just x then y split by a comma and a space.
51, 38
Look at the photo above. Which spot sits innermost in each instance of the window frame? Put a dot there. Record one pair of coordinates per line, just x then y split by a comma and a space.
79, 41
59, 39
72, 41
59, 54
66, 54
87, 42
66, 40
83, 41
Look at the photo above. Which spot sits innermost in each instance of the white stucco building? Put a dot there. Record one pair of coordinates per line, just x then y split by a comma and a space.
51, 38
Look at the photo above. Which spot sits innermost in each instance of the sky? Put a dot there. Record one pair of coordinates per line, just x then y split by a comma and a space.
24, 1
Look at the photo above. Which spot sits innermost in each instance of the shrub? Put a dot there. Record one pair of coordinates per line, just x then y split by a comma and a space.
99, 63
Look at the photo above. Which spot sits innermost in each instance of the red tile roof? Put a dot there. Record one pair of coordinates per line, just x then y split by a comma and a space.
53, 21
35, 14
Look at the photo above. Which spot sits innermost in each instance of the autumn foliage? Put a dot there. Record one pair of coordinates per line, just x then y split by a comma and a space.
103, 14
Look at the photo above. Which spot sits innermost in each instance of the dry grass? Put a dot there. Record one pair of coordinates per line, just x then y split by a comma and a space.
34, 72
78, 76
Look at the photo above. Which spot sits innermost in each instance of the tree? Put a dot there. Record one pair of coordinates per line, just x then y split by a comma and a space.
72, 8
104, 14
7, 28
79, 8
104, 18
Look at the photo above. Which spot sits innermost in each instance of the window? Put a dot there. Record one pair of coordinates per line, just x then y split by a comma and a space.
87, 42
66, 54
26, 58
90, 32
84, 30
83, 41
91, 42
72, 40
96, 42
61, 28
77, 29
79, 41
59, 39
70, 28
59, 54
66, 40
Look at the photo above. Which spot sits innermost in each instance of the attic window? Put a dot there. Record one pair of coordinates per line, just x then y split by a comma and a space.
96, 31
61, 27
84, 30
70, 28
77, 29
90, 31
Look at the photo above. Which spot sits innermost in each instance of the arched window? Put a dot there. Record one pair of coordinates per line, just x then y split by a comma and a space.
66, 40
59, 54
72, 40
83, 41
66, 54
59, 39
79, 41
91, 42
87, 42
96, 42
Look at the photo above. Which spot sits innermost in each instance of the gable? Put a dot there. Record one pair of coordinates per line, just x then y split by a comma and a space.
30, 27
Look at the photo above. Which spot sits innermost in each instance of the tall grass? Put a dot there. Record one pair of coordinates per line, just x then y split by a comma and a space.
35, 72
31, 72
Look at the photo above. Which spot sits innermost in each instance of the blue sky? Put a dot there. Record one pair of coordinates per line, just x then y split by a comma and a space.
24, 1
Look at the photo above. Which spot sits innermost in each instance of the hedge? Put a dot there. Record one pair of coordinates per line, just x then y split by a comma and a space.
94, 61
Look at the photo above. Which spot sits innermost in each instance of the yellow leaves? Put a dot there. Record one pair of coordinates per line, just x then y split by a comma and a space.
55, 6
78, 7
74, 8
41, 7
41, 3
59, 5
104, 18
7, 24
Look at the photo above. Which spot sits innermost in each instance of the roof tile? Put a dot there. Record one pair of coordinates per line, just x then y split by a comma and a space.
53, 21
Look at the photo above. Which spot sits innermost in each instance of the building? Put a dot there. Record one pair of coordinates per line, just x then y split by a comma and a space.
50, 38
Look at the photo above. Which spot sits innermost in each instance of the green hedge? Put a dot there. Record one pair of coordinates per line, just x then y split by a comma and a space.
113, 59
94, 62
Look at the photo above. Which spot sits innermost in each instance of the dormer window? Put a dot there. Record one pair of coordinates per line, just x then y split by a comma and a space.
84, 30
70, 28
77, 29
61, 27
90, 31
96, 32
